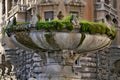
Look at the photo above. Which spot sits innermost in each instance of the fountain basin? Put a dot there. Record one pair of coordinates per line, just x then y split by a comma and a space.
81, 42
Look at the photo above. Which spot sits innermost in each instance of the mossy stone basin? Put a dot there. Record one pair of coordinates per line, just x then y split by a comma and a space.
66, 34
81, 42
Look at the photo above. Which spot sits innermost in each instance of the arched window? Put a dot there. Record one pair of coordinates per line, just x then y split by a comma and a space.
115, 21
48, 15
108, 17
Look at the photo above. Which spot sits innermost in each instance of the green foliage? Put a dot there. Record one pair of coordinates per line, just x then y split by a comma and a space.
84, 26
13, 27
92, 27
111, 32
68, 18
97, 27
4, 30
56, 24
50, 25
66, 24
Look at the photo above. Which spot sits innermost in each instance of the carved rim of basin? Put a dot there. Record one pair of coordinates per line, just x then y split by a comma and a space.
81, 42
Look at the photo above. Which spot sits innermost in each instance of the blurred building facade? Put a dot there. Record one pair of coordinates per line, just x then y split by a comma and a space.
101, 65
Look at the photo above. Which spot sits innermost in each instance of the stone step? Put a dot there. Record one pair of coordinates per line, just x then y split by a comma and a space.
88, 79
92, 55
103, 63
88, 64
103, 57
88, 75
85, 78
88, 59
103, 54
88, 70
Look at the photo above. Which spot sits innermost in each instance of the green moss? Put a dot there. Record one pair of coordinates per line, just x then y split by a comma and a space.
26, 40
68, 18
97, 27
66, 24
56, 24
111, 32
50, 25
50, 39
81, 40
4, 30
85, 26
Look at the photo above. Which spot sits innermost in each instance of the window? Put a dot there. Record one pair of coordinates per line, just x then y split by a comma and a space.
115, 21
108, 17
49, 15
60, 15
77, 63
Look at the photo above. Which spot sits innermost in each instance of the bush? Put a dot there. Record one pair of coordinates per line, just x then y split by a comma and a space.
56, 25
92, 27
68, 18
111, 32
85, 27
52, 25
68, 26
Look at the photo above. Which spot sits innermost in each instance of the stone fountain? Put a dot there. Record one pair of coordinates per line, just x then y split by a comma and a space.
58, 50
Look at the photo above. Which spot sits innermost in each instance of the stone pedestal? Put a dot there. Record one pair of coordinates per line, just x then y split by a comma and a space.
58, 66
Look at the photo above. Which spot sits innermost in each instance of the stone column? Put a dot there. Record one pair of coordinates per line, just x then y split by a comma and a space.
1, 48
22, 1
6, 5
13, 3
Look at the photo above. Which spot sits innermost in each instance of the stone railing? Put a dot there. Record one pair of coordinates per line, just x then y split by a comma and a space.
106, 7
49, 2
32, 1
75, 3
15, 9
